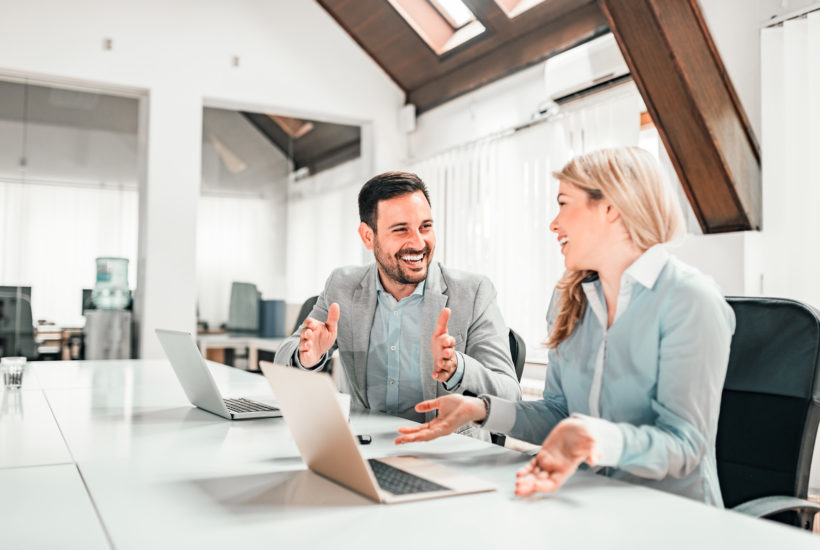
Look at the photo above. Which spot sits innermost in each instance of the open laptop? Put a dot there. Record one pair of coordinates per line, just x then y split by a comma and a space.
199, 385
329, 447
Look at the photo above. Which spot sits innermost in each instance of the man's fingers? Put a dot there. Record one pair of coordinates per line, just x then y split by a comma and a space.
441, 325
332, 316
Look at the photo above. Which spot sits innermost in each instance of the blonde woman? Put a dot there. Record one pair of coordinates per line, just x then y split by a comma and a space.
638, 344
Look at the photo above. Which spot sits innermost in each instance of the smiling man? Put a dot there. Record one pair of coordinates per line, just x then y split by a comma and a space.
407, 328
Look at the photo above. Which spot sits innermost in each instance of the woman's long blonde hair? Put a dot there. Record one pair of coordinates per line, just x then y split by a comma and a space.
631, 180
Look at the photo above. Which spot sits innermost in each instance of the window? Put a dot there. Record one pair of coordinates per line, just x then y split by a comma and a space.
442, 24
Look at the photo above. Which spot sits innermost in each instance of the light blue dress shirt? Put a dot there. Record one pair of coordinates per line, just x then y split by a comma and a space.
393, 355
651, 383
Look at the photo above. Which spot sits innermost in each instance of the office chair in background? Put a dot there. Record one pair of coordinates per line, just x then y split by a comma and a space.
518, 351
307, 307
770, 410
16, 322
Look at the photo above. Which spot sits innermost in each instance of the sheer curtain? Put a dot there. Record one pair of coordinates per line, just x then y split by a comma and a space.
790, 97
493, 201
238, 239
51, 235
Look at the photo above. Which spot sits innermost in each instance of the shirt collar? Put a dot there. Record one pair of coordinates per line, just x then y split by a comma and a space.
647, 268
419, 291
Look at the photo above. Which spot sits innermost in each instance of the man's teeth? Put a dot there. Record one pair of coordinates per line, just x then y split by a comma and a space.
413, 258
563, 241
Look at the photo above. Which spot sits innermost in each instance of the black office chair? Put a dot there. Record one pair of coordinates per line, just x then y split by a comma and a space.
305, 310
16, 323
518, 351
770, 410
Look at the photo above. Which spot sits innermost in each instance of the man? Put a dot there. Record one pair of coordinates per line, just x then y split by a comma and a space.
398, 343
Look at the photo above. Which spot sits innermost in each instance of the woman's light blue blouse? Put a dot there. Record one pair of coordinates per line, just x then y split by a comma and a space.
656, 374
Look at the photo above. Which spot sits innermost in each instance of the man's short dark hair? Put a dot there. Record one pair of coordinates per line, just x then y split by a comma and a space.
386, 186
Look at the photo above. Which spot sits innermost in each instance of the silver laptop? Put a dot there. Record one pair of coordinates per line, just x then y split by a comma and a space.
199, 385
329, 447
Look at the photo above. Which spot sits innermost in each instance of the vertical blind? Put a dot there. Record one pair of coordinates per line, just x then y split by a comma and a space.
790, 67
493, 201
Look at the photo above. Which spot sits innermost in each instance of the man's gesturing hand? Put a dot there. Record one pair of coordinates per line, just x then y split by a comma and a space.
443, 348
318, 337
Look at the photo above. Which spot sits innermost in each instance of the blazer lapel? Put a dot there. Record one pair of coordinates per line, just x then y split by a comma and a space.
364, 303
434, 301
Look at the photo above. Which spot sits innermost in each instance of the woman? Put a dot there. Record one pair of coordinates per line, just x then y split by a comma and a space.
638, 344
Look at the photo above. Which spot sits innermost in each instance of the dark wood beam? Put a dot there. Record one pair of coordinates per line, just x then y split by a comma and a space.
527, 49
692, 102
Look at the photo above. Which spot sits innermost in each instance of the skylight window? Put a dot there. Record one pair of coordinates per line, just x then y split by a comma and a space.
455, 11
442, 24
514, 8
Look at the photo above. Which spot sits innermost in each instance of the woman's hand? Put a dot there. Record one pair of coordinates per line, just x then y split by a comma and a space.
565, 448
453, 412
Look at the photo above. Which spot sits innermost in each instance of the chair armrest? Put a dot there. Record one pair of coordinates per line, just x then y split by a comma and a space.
766, 506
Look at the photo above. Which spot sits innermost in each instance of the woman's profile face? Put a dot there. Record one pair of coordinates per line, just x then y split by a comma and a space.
579, 225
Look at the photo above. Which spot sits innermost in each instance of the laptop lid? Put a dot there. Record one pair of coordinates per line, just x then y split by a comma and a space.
192, 371
318, 425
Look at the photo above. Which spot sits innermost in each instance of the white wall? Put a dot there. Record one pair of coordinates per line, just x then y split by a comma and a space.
293, 59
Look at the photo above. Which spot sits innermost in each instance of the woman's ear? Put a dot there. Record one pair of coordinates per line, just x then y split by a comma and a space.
611, 215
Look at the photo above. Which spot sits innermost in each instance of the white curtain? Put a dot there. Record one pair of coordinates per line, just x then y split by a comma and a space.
790, 96
50, 236
493, 201
322, 235
238, 239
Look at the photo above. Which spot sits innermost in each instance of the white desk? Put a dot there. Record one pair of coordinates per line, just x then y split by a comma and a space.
164, 475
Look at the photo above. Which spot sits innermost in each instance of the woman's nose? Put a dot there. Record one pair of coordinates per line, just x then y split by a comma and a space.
554, 225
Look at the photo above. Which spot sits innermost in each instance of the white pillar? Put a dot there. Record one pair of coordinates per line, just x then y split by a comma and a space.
169, 195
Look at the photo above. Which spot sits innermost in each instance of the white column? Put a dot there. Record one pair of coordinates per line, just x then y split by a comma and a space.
169, 195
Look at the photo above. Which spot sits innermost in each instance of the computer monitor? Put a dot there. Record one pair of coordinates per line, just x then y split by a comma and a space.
243, 313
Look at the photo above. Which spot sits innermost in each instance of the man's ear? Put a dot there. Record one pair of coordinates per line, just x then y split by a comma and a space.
367, 235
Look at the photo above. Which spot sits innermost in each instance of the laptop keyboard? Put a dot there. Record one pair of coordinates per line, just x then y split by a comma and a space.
242, 405
400, 482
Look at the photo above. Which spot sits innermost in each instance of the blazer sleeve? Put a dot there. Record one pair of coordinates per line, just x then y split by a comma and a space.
488, 368
288, 347
535, 419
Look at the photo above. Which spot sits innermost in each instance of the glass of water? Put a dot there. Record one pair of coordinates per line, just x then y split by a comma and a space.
12, 368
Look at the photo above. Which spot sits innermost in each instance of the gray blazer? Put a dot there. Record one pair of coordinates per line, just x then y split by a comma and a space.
475, 323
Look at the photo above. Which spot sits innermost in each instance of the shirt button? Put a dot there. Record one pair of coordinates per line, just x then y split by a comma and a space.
392, 382
393, 348
395, 313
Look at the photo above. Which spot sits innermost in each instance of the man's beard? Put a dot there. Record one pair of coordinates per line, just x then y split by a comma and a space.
393, 268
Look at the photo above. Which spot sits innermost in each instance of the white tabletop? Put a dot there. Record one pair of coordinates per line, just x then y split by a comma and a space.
162, 474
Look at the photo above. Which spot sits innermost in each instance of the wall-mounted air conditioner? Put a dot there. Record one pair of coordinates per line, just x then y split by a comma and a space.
584, 69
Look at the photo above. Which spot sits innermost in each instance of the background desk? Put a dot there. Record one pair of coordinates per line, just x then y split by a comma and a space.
130, 464
209, 343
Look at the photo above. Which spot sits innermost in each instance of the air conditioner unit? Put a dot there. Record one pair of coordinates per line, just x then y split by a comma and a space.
583, 69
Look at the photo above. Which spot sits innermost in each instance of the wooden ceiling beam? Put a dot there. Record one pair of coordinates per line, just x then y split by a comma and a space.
532, 47
694, 106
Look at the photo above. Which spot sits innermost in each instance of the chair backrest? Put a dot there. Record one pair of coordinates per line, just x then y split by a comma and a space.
518, 350
307, 307
771, 400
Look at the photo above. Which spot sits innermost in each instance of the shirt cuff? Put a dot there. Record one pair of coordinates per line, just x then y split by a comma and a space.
607, 435
500, 417
317, 366
458, 376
